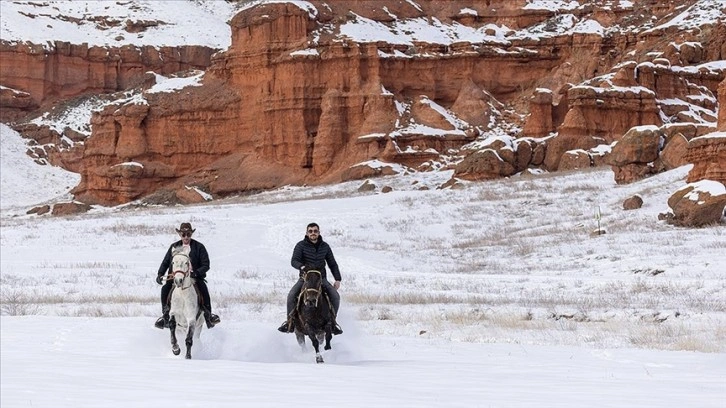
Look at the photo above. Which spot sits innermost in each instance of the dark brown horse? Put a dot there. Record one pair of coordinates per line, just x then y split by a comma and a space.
314, 314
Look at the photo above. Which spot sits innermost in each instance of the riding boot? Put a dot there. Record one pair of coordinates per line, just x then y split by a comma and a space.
336, 329
163, 321
209, 318
288, 326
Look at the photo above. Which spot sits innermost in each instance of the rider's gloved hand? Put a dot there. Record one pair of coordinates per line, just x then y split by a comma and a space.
160, 279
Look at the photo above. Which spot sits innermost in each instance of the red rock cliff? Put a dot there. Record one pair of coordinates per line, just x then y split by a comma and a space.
63, 70
291, 102
708, 153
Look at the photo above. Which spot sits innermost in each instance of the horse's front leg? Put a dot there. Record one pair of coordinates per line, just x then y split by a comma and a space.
300, 336
328, 337
316, 345
189, 340
174, 344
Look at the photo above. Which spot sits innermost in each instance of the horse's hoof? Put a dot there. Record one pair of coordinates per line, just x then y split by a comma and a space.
327, 347
176, 350
188, 357
319, 359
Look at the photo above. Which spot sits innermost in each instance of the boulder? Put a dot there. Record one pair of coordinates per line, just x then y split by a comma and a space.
70, 208
674, 152
697, 204
39, 210
631, 156
575, 159
367, 186
633, 203
483, 165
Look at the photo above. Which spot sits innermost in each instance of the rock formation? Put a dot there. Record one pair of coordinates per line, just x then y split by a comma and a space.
48, 74
703, 200
296, 100
697, 204
708, 152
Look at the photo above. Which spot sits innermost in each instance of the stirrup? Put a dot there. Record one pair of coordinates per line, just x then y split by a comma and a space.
337, 330
287, 327
162, 322
210, 319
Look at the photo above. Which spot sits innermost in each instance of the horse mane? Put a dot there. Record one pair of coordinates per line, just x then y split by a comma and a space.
319, 316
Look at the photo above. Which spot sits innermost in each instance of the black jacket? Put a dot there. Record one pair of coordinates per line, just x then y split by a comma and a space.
197, 255
315, 256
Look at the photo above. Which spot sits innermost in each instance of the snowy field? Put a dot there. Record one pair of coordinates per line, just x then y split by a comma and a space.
493, 295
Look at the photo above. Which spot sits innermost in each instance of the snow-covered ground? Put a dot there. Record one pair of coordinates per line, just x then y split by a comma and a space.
169, 22
24, 181
494, 295
123, 362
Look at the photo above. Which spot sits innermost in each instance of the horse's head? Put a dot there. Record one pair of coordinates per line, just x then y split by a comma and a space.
181, 267
311, 289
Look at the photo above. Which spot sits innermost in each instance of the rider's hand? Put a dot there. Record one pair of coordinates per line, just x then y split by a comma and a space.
336, 285
160, 279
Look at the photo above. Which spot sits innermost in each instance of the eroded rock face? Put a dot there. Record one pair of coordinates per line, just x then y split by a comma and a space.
136, 148
708, 155
65, 70
608, 113
14, 104
632, 155
286, 104
674, 152
541, 108
484, 165
708, 152
636, 95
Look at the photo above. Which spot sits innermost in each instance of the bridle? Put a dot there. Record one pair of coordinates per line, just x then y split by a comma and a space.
185, 273
312, 292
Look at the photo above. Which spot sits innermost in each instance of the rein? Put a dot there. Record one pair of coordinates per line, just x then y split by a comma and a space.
312, 291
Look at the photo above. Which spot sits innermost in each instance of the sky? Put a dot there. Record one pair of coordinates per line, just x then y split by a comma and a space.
495, 294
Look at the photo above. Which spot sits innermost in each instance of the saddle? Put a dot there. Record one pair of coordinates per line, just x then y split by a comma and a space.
299, 303
200, 298
294, 315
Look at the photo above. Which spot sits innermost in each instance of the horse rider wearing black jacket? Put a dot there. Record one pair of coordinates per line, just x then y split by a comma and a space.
200, 265
312, 253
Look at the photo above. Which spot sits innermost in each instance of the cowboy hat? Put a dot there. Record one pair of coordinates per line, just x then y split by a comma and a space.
185, 227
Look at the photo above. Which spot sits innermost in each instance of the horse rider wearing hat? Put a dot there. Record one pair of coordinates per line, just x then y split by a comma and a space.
200, 265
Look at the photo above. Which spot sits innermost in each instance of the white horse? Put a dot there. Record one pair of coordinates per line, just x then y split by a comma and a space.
185, 314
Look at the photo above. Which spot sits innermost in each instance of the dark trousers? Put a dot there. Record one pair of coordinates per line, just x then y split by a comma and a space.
202, 289
333, 295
